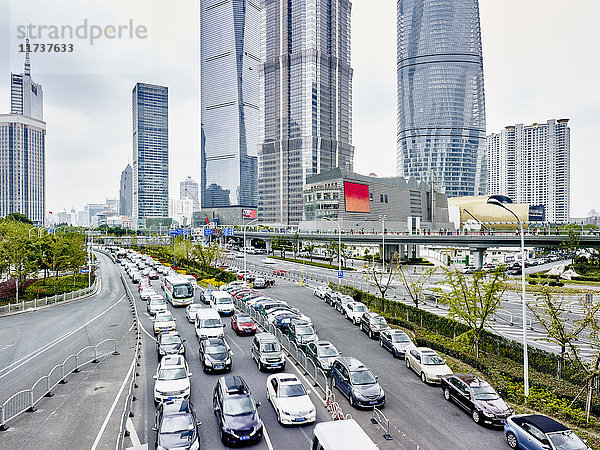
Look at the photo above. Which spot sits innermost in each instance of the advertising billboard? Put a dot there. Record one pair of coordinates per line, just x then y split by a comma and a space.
357, 197
249, 213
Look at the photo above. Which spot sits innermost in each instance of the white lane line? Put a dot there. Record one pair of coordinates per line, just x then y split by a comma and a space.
49, 345
112, 408
144, 330
267, 440
135, 440
240, 348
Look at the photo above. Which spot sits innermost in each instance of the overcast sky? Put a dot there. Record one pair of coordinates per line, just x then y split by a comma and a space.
540, 62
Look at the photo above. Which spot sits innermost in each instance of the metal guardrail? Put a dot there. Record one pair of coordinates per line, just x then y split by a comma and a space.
26, 400
54, 299
135, 364
384, 423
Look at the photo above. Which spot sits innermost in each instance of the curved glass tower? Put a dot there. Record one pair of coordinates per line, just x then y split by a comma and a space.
441, 105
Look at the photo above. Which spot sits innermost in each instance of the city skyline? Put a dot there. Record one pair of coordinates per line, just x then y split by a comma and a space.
542, 87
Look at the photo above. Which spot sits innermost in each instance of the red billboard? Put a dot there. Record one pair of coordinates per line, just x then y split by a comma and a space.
249, 213
357, 197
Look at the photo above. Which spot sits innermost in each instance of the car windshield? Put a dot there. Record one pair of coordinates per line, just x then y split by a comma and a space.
177, 373
400, 337
327, 352
566, 440
157, 301
360, 308
433, 360
211, 323
224, 301
164, 318
362, 377
183, 291
216, 350
237, 406
177, 423
305, 330
379, 320
291, 390
270, 347
484, 393
170, 339
244, 319
196, 307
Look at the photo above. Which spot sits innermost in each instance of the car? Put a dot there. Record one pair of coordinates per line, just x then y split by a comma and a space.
301, 332
354, 310
236, 411
266, 351
430, 366
539, 432
172, 379
191, 310
243, 324
291, 402
146, 293
163, 322
322, 354
156, 305
330, 297
170, 343
268, 261
144, 283
396, 341
153, 275
136, 277
222, 302
176, 425
320, 291
279, 272
356, 383
259, 283
477, 397
206, 295
281, 319
266, 307
215, 355
341, 301
372, 324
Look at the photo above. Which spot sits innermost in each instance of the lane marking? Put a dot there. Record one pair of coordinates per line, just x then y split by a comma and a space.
112, 408
134, 437
49, 345
240, 348
266, 435
144, 330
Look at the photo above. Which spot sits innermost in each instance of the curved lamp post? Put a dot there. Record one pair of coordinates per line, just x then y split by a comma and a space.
244, 247
502, 200
339, 246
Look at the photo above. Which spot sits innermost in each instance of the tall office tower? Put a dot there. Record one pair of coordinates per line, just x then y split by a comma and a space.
441, 107
229, 55
126, 192
22, 166
26, 96
306, 101
188, 189
150, 153
532, 164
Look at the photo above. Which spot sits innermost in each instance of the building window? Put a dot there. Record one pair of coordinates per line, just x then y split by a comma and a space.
380, 198
386, 198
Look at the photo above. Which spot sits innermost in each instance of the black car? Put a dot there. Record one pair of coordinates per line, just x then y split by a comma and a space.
477, 397
170, 343
356, 383
372, 324
176, 425
214, 355
236, 411
331, 297
396, 341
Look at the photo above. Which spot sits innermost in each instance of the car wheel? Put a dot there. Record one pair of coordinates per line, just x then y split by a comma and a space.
407, 363
447, 394
423, 377
511, 440
222, 434
476, 416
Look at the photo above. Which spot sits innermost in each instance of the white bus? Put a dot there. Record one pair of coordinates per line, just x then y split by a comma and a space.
179, 290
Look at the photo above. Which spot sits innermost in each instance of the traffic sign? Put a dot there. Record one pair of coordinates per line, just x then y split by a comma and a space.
340, 274
208, 232
173, 232
84, 270
229, 232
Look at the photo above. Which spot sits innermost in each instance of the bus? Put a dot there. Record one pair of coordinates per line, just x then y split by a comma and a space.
179, 290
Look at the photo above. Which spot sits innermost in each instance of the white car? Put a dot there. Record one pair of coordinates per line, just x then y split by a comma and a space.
320, 291
163, 322
428, 364
259, 283
145, 293
190, 311
290, 400
354, 311
268, 261
172, 379
156, 306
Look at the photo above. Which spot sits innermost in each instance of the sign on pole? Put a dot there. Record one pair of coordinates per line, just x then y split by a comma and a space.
208, 232
589, 298
229, 232
340, 274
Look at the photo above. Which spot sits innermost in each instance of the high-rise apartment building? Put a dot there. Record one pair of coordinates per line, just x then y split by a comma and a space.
26, 96
531, 164
306, 100
229, 55
126, 192
441, 107
150, 153
22, 166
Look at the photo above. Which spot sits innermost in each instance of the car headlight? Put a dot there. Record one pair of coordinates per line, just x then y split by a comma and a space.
487, 413
256, 428
208, 362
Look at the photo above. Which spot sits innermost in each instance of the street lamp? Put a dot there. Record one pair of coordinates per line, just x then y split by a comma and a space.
382, 218
502, 200
339, 246
244, 243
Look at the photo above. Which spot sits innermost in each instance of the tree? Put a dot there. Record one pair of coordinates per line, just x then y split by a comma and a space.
572, 244
309, 248
474, 300
207, 256
75, 254
295, 244
17, 250
330, 250
18, 217
414, 284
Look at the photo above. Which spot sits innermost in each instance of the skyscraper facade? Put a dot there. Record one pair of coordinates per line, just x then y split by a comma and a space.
22, 166
229, 55
441, 105
126, 192
188, 189
306, 100
150, 153
26, 96
531, 164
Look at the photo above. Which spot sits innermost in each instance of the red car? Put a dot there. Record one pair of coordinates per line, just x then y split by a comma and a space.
280, 272
243, 324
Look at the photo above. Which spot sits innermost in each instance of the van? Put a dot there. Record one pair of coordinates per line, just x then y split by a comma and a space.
222, 302
208, 324
340, 435
267, 352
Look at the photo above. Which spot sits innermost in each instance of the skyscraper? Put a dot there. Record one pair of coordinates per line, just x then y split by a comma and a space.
531, 164
306, 100
26, 96
188, 189
441, 106
229, 55
150, 153
126, 192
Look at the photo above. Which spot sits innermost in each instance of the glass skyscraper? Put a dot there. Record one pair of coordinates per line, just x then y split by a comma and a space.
441, 105
126, 192
306, 100
229, 55
26, 96
150, 153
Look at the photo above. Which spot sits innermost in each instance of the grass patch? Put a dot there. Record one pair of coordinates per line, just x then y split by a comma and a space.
310, 263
